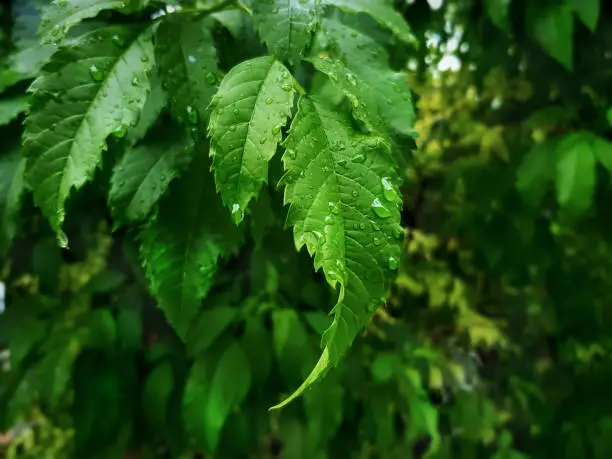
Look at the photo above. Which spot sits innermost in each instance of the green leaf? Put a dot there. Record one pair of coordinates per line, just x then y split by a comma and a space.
602, 149
61, 15
379, 10
499, 11
257, 346
53, 373
188, 65
587, 11
89, 90
552, 26
229, 386
195, 399
207, 327
182, 244
253, 103
368, 62
11, 108
344, 208
286, 26
99, 329
536, 172
575, 172
156, 393
11, 189
142, 176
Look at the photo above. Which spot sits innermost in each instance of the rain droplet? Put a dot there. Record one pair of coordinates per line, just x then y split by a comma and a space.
276, 130
96, 73
354, 193
211, 78
379, 209
291, 153
355, 103
393, 263
287, 87
144, 58
120, 132
232, 127
135, 81
328, 220
236, 111
192, 114
191, 59
119, 41
269, 100
262, 140
351, 79
388, 191
62, 3
237, 213
334, 208
362, 226
376, 241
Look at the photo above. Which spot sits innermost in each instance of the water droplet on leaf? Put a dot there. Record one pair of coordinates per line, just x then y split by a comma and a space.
192, 114
119, 41
388, 190
96, 73
269, 100
237, 213
380, 209
276, 130
393, 263
262, 140
211, 78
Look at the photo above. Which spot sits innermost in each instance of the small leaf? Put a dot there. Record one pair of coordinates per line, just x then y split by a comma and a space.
537, 172
12, 168
575, 173
286, 26
379, 10
229, 386
99, 329
182, 244
80, 99
207, 327
188, 66
499, 11
552, 26
61, 15
142, 176
252, 105
156, 393
602, 149
587, 11
11, 108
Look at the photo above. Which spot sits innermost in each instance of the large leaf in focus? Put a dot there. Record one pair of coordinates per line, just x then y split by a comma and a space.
249, 111
575, 172
182, 244
11, 189
143, 174
344, 208
61, 15
379, 10
367, 63
187, 64
552, 26
89, 90
286, 26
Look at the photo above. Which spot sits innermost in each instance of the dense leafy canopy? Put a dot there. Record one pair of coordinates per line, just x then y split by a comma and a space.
164, 163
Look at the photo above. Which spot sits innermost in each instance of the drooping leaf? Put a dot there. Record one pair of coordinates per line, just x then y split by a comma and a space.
379, 10
286, 26
11, 189
253, 103
188, 66
344, 208
587, 11
575, 172
368, 62
552, 26
142, 176
498, 11
229, 386
11, 108
89, 90
537, 172
61, 15
181, 245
